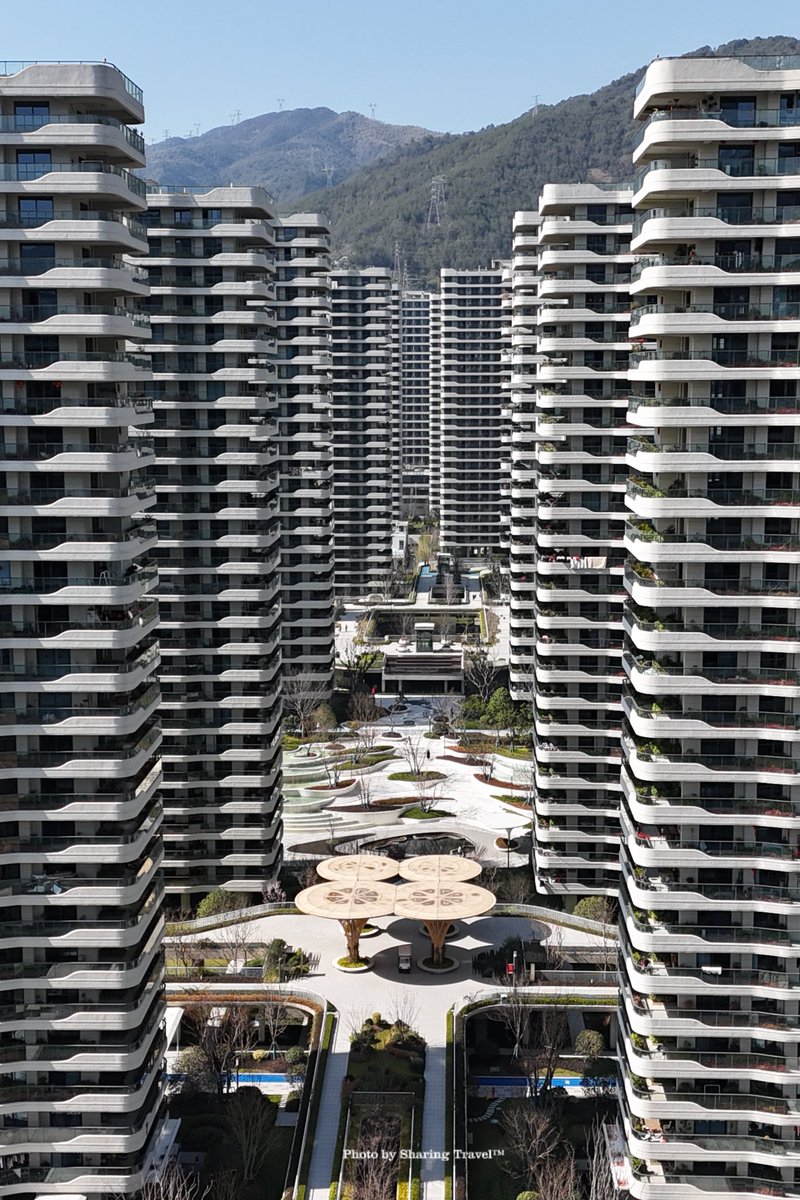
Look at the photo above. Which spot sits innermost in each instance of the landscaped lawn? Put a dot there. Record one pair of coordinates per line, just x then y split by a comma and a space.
413, 777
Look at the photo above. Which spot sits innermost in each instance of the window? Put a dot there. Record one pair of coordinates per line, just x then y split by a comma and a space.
183, 216
736, 160
37, 256
34, 210
738, 110
29, 115
735, 208
790, 108
33, 163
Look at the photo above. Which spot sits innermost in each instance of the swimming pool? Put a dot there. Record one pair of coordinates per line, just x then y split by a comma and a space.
520, 1081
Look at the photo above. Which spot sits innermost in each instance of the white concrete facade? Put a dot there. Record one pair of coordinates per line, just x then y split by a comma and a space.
413, 405
710, 919
303, 300
211, 270
469, 408
567, 521
363, 394
80, 941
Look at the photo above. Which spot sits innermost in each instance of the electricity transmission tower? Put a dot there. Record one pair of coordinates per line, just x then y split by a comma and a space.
438, 204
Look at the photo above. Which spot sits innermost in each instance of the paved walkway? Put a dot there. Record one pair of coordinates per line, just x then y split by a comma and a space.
470, 801
420, 998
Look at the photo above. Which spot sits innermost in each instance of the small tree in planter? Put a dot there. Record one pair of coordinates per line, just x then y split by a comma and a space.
302, 696
365, 785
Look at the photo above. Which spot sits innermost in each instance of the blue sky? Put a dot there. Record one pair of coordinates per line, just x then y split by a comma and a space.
447, 64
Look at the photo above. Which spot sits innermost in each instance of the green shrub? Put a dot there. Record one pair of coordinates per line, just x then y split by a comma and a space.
220, 901
595, 908
590, 1044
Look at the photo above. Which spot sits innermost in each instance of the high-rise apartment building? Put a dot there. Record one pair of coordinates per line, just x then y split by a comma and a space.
80, 943
211, 269
412, 408
434, 401
710, 919
303, 288
470, 401
362, 398
522, 470
567, 524
508, 356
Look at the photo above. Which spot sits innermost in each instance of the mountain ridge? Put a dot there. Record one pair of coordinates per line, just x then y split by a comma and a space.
487, 174
286, 152
491, 173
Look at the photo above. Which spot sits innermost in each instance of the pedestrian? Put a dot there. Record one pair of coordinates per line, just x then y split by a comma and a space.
428, 754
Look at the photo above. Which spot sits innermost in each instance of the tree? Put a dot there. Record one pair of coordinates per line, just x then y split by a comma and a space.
250, 1118
601, 1179
324, 720
430, 793
356, 663
184, 949
499, 713
302, 696
275, 956
404, 1010
548, 1035
414, 753
479, 673
173, 1183
590, 1044
363, 713
531, 1138
276, 1017
198, 1077
446, 714
220, 901
365, 785
596, 908
272, 891
515, 1014
234, 943
375, 1174
556, 1178
222, 1035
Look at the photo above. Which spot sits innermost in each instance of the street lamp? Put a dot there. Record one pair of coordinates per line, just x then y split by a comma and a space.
508, 846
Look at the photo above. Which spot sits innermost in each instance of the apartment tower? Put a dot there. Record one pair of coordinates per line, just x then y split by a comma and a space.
304, 379
412, 420
211, 270
567, 531
470, 402
80, 843
362, 397
710, 920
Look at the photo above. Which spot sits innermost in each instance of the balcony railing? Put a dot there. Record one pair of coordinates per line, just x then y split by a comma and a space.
27, 171
735, 263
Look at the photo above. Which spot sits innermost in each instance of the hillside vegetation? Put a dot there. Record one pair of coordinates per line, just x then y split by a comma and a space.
285, 152
488, 175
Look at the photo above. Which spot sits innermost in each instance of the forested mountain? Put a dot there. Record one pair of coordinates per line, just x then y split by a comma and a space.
488, 175
286, 152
